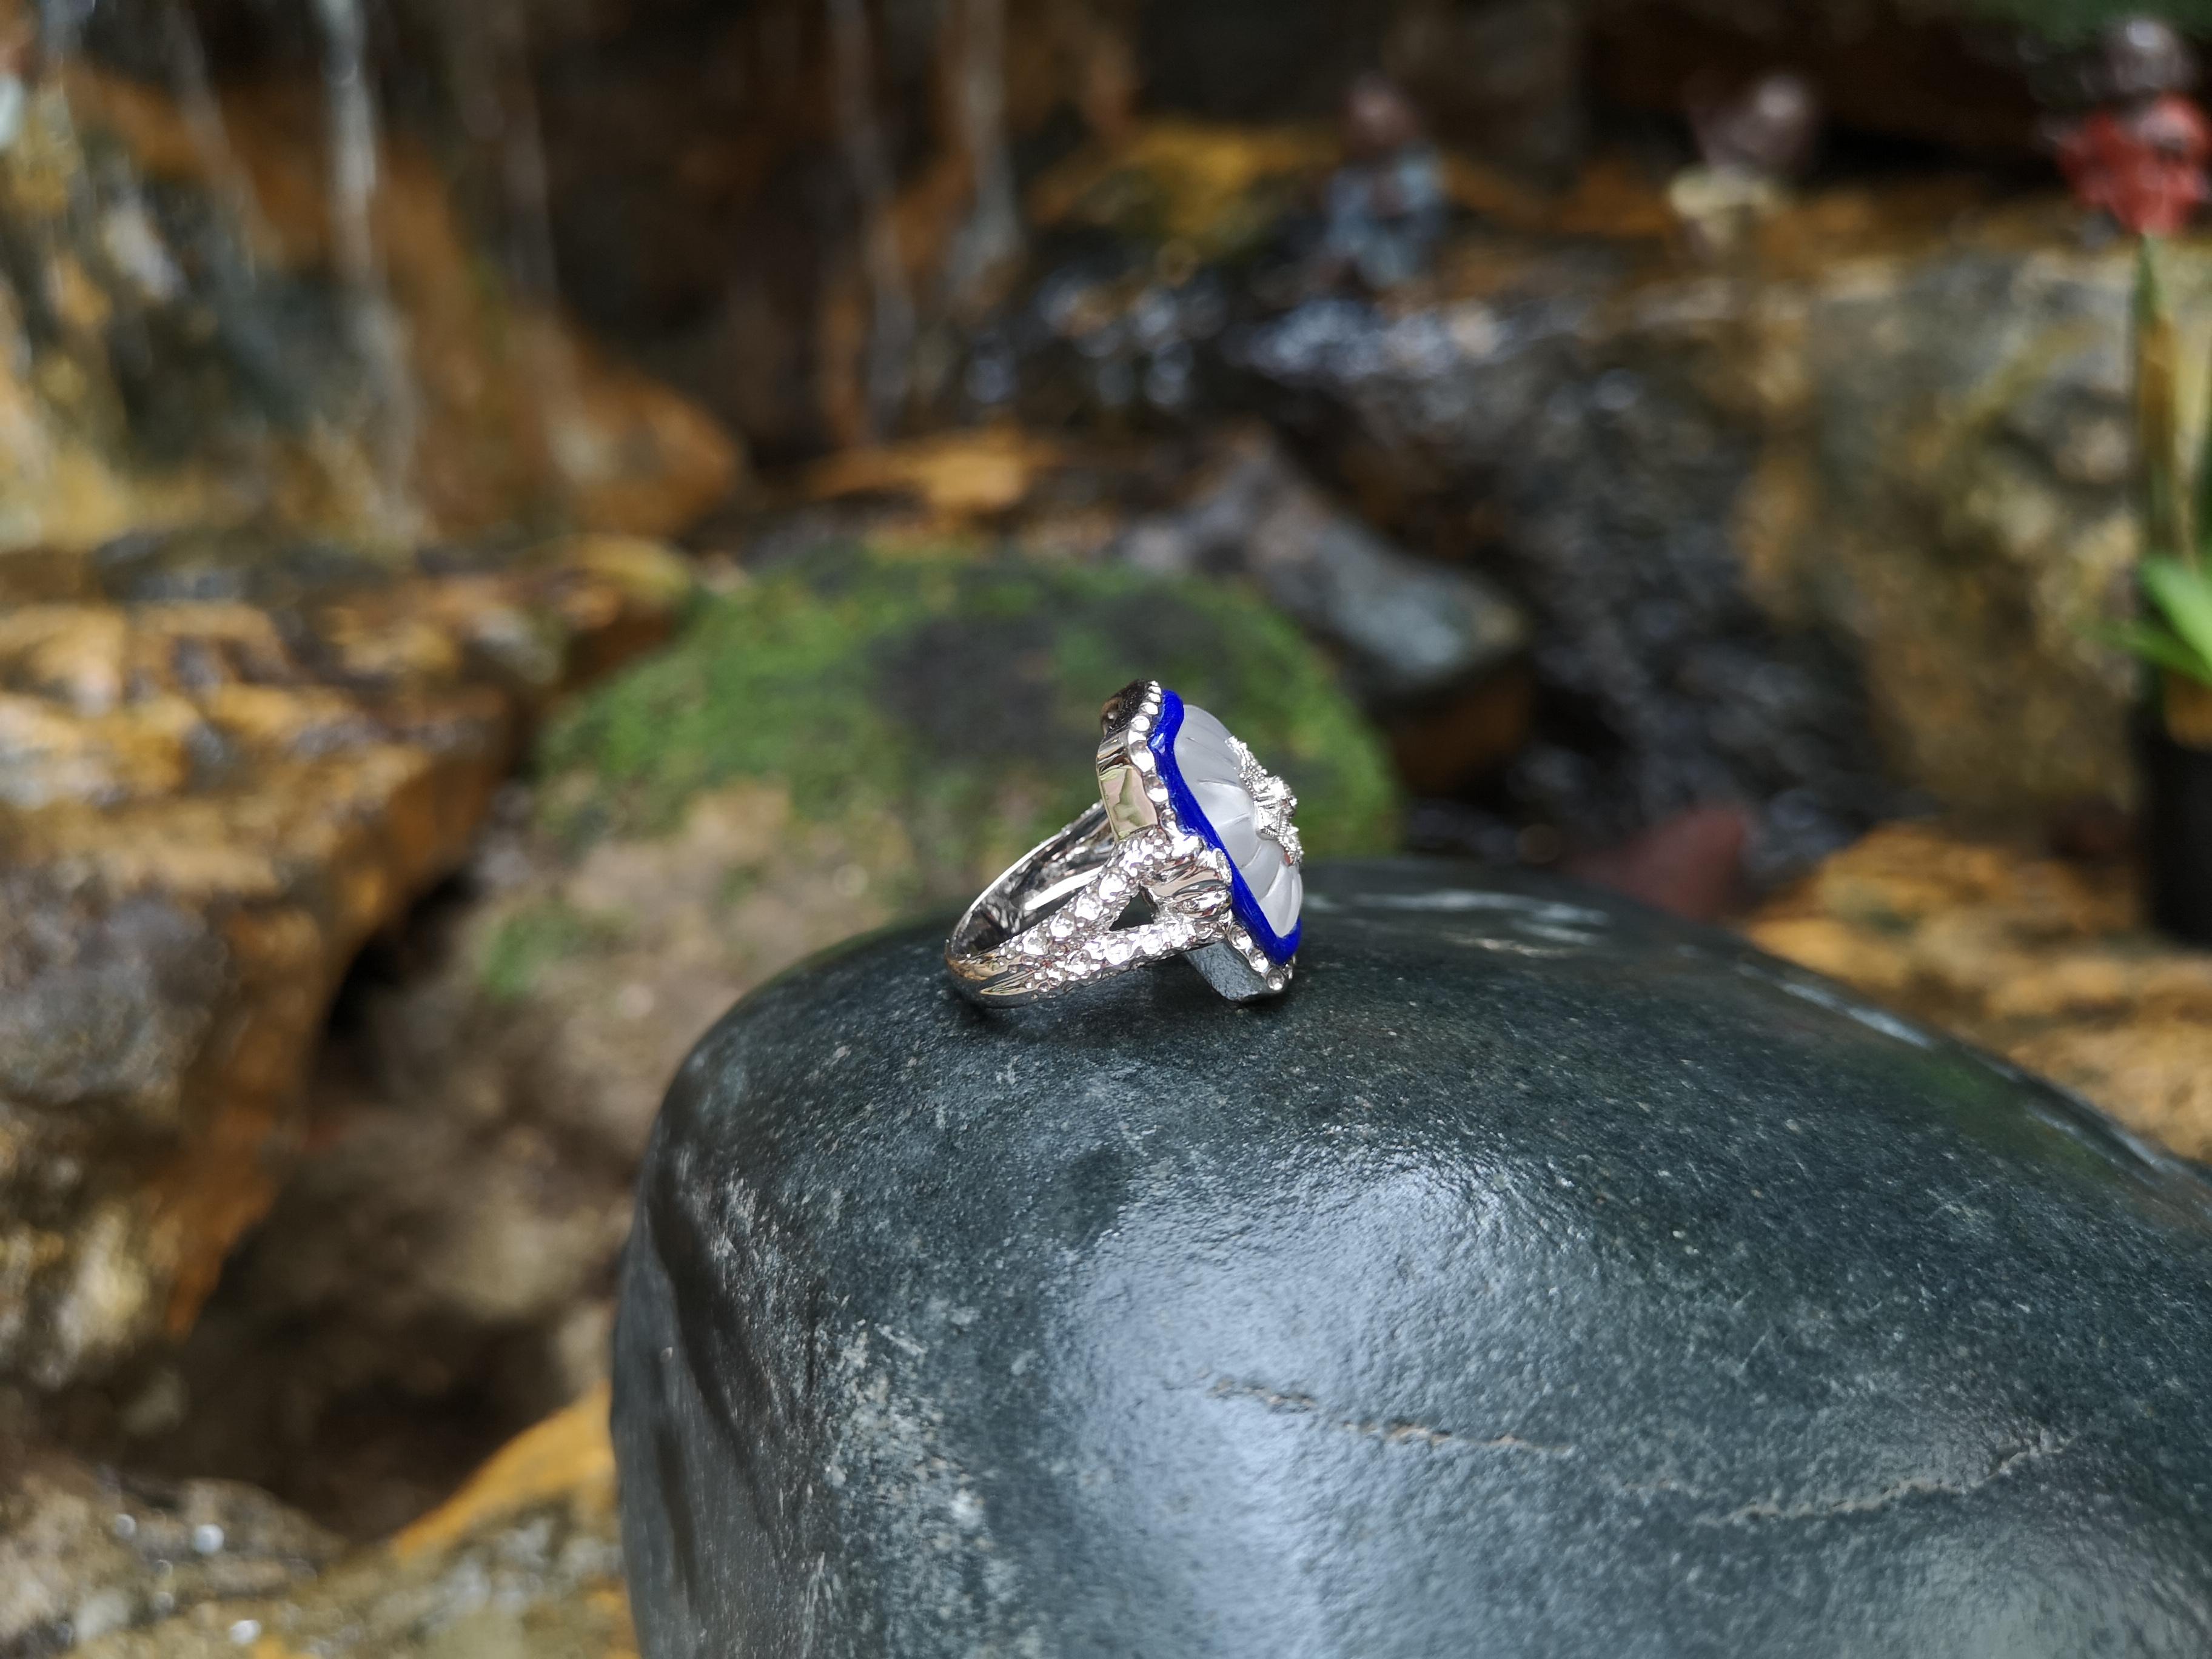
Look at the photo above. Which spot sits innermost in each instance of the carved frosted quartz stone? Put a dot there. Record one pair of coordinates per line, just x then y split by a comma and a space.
1226, 795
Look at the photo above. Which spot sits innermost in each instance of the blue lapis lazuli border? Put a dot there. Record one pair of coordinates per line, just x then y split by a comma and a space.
1279, 948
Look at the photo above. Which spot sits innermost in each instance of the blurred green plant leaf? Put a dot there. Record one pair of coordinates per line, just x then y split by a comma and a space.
2155, 647
2182, 594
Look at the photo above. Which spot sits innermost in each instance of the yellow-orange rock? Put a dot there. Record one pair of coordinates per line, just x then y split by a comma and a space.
206, 806
2043, 960
960, 480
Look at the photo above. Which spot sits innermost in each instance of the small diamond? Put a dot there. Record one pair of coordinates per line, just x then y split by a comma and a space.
1144, 761
1120, 950
1142, 724
1157, 795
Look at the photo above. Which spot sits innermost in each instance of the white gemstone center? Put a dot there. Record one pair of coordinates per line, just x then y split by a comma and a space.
1249, 809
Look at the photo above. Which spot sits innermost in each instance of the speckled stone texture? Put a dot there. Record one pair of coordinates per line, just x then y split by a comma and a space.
1537, 1277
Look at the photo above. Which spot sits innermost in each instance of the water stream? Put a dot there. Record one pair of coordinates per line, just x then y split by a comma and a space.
496, 92
891, 320
993, 234
186, 57
380, 336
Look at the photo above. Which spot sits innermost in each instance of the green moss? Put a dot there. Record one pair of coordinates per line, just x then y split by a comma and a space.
524, 943
961, 696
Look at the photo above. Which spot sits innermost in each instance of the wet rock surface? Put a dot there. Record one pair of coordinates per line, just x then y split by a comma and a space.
2044, 960
223, 767
1537, 1271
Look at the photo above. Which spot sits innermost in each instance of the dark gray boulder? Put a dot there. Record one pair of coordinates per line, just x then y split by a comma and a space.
1539, 1276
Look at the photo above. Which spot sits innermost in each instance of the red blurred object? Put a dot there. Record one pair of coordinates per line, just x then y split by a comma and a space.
2092, 830
2142, 163
1691, 865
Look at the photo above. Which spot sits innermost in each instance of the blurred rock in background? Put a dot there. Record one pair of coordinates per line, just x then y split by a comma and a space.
1802, 536
223, 767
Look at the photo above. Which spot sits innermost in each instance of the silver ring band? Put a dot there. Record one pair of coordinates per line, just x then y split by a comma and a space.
1150, 873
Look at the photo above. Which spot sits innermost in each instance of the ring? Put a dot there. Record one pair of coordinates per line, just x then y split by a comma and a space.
1190, 852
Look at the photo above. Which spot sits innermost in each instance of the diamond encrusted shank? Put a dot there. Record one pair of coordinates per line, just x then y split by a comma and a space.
1191, 851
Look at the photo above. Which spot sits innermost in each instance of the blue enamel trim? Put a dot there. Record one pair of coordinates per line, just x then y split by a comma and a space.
1278, 948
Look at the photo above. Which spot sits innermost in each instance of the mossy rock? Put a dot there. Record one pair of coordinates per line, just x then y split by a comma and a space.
959, 697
